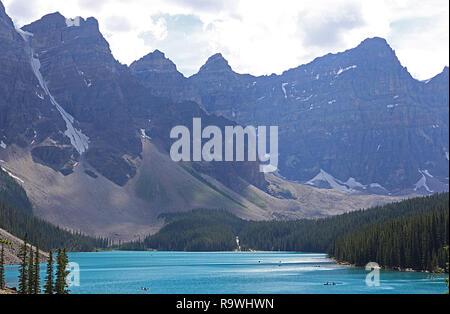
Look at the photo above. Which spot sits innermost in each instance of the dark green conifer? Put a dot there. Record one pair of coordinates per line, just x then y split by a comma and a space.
49, 281
30, 267
23, 272
37, 269
2, 266
61, 286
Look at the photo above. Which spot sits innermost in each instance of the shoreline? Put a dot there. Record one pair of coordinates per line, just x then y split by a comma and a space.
397, 269
8, 291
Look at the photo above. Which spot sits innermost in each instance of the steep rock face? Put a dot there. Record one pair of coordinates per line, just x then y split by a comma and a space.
359, 115
235, 175
90, 85
160, 74
27, 118
356, 116
435, 90
219, 89
101, 108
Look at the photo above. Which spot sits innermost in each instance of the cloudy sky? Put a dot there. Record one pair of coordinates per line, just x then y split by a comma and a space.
259, 36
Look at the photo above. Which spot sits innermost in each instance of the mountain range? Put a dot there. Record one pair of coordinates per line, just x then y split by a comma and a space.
88, 137
353, 121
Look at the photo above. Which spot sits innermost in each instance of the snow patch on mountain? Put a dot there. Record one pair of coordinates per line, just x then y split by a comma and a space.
39, 96
2, 145
342, 70
283, 87
78, 140
12, 176
305, 99
144, 134
324, 177
422, 183
352, 183
426, 172
376, 186
87, 82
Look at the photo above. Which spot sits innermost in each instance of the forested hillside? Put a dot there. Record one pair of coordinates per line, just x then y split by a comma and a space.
13, 193
16, 218
48, 236
199, 230
416, 243
320, 235
408, 234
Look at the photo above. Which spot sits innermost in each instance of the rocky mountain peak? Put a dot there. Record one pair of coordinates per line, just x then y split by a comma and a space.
437, 87
443, 76
374, 42
157, 53
55, 34
376, 48
56, 21
154, 62
55, 29
216, 64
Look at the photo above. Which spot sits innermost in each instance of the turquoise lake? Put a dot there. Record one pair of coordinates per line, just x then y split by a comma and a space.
231, 273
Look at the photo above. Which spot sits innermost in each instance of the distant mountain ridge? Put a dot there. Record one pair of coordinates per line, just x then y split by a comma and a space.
358, 116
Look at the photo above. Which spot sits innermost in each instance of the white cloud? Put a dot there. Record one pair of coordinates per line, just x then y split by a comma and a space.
259, 36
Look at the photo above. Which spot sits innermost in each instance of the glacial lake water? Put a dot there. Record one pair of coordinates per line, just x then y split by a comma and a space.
231, 273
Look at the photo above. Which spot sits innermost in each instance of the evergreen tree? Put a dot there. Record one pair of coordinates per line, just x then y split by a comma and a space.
30, 272
2, 266
2, 263
61, 286
23, 274
415, 242
447, 280
37, 269
49, 282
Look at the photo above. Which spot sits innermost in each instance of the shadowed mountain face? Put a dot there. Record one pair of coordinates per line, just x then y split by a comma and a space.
84, 78
25, 115
355, 120
160, 74
101, 108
